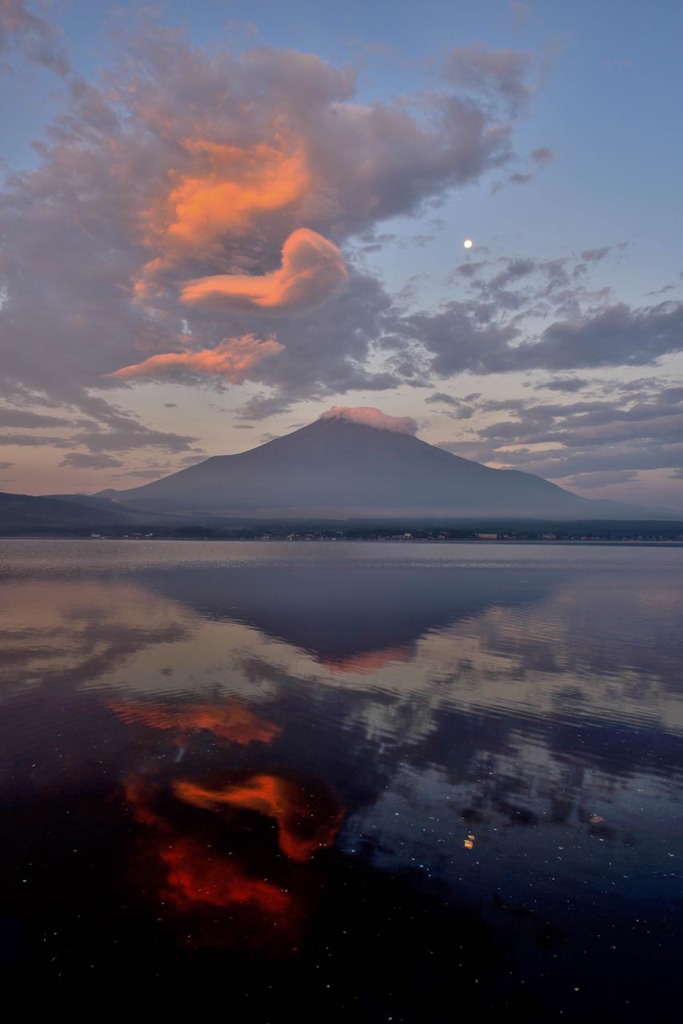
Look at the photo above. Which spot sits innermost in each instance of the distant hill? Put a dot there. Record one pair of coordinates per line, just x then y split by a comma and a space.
23, 513
339, 468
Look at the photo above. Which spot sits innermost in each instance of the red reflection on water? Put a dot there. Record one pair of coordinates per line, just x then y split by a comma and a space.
229, 721
222, 862
199, 875
308, 819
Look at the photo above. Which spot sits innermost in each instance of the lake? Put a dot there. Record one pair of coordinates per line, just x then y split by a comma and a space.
332, 781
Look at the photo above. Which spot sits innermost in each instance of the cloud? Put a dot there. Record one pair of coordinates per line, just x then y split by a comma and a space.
233, 359
37, 39
242, 174
312, 269
372, 418
79, 460
589, 481
495, 73
542, 155
459, 409
26, 418
617, 336
495, 327
588, 444
595, 255
539, 158
567, 384
521, 13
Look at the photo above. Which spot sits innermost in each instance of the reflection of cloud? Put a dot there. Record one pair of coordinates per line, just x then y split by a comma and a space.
307, 817
198, 874
229, 721
312, 269
200, 871
72, 632
369, 662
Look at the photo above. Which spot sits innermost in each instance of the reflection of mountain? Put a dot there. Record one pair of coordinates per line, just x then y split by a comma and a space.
346, 612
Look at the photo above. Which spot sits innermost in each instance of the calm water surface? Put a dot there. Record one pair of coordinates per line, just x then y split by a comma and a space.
371, 782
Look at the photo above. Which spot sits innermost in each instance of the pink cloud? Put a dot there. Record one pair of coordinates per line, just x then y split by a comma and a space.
233, 359
312, 269
370, 417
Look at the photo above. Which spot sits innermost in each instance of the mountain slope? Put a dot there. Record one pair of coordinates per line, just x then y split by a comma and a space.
337, 467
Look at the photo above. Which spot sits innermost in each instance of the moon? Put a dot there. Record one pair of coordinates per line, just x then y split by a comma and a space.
468, 243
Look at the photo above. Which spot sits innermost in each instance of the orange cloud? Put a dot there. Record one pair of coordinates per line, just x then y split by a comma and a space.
312, 269
306, 821
239, 183
228, 188
226, 192
234, 359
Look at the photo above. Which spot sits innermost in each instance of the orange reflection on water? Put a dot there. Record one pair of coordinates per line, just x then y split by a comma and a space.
371, 661
307, 821
229, 721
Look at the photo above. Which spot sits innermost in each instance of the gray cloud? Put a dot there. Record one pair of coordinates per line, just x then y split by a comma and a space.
566, 384
543, 155
36, 38
79, 460
595, 255
35, 440
131, 438
25, 418
499, 74
595, 443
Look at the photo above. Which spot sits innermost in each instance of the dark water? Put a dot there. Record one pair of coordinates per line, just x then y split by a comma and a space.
363, 782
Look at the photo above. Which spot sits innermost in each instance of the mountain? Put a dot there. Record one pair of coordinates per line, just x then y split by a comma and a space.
339, 467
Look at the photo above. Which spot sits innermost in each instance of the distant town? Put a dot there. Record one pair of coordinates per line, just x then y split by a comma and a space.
615, 532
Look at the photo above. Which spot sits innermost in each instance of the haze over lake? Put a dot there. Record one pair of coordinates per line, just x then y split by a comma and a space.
366, 781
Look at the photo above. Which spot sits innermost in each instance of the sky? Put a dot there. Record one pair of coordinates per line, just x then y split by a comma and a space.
220, 220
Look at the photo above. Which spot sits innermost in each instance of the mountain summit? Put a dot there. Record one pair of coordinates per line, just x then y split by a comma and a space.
362, 463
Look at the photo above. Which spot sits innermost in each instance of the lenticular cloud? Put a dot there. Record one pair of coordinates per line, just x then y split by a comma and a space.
370, 417
312, 269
